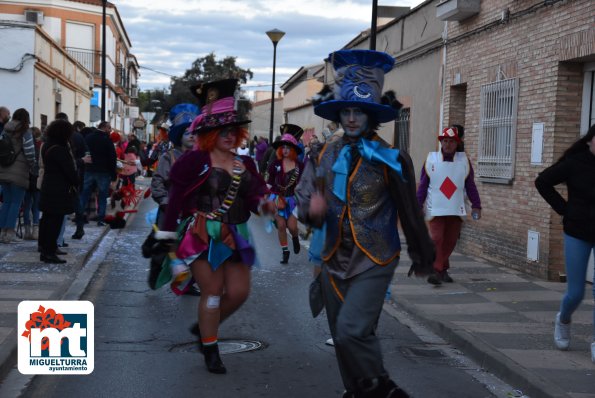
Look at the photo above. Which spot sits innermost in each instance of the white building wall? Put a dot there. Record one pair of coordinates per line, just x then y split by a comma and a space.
17, 87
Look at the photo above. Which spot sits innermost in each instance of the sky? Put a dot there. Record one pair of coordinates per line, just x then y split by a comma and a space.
167, 36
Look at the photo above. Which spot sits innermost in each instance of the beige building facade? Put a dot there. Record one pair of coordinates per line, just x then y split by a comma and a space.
74, 27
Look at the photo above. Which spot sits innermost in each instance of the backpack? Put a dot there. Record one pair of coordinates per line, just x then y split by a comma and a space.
8, 155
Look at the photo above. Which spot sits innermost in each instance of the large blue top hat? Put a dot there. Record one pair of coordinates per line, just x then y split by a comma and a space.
181, 116
359, 77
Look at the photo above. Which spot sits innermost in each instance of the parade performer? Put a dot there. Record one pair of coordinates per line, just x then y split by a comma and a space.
182, 139
447, 176
283, 176
213, 191
576, 169
355, 187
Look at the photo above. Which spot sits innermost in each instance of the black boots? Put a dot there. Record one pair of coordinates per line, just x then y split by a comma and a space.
79, 233
51, 258
296, 244
213, 360
381, 387
285, 258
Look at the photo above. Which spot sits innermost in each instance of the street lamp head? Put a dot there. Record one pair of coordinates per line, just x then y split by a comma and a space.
275, 35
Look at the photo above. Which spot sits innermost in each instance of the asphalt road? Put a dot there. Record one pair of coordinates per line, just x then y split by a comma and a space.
143, 347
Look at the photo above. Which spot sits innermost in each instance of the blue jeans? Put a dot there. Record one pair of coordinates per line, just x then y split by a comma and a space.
101, 181
31, 207
60, 240
12, 199
576, 253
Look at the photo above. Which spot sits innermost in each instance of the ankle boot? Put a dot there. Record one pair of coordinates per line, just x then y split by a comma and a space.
3, 236
296, 244
213, 360
285, 258
79, 233
35, 232
28, 233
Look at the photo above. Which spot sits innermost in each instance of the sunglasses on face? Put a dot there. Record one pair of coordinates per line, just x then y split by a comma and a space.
225, 132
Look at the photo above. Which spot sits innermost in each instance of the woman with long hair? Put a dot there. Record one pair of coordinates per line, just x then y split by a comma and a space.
213, 191
576, 169
58, 188
283, 176
14, 175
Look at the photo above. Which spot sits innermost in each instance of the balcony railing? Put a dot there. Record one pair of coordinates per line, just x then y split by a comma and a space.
87, 58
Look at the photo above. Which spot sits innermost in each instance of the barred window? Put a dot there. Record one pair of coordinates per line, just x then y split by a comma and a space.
497, 130
401, 139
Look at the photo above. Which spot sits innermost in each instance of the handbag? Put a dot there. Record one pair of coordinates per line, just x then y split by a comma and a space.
315, 296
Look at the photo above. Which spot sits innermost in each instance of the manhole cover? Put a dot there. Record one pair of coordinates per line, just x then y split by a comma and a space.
226, 346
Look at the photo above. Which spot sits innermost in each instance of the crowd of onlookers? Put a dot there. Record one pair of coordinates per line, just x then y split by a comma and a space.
66, 169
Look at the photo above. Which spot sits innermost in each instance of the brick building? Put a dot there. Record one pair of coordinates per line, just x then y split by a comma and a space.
519, 76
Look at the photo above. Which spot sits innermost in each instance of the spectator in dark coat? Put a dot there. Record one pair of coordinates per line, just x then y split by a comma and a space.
101, 171
58, 188
81, 153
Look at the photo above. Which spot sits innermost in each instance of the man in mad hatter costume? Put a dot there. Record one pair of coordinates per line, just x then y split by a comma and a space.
214, 191
359, 188
283, 175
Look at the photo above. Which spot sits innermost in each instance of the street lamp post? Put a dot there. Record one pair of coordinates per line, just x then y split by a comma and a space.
374, 23
275, 35
104, 4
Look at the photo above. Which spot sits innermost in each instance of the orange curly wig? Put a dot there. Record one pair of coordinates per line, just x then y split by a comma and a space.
207, 141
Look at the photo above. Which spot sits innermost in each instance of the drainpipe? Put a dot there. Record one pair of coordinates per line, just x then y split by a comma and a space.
443, 66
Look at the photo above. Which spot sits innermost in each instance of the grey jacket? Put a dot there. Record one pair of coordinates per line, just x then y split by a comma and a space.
160, 182
18, 172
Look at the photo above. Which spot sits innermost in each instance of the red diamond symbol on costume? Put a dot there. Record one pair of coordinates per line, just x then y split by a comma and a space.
448, 188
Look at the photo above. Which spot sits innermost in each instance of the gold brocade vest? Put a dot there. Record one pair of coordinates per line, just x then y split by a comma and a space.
371, 210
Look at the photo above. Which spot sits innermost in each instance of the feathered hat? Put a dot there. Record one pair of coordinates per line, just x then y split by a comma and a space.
219, 106
292, 129
181, 116
359, 78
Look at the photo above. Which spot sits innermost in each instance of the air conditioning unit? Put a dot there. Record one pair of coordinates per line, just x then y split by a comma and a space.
33, 16
117, 107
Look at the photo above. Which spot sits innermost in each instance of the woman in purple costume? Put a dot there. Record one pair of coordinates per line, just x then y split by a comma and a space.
283, 176
213, 191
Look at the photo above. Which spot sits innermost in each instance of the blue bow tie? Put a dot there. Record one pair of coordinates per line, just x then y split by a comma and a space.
371, 151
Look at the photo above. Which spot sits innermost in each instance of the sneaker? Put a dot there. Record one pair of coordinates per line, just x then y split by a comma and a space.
593, 352
561, 334
332, 343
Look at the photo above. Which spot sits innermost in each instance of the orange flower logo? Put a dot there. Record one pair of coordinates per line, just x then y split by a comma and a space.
43, 319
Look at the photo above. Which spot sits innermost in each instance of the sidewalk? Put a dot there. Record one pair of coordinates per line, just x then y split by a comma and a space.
24, 277
504, 320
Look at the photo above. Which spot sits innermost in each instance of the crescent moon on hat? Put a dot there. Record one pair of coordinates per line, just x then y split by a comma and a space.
360, 95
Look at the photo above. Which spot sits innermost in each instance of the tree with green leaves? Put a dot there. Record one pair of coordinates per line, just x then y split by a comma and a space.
206, 68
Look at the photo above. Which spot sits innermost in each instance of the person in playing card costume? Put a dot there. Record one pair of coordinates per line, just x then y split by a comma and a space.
446, 178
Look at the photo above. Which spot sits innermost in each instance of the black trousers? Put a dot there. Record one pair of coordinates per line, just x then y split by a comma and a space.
49, 229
